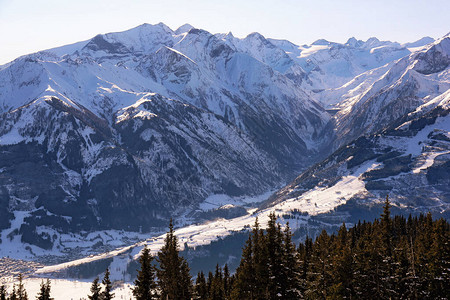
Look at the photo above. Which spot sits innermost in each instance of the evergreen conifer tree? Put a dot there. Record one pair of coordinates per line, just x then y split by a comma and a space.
385, 268
106, 294
13, 295
21, 292
216, 292
304, 255
185, 280
95, 290
3, 292
145, 285
44, 292
259, 262
320, 265
244, 284
274, 248
291, 286
342, 266
439, 253
173, 273
200, 289
386, 226
226, 282
209, 283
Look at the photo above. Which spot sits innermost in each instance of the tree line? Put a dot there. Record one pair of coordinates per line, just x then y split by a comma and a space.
389, 258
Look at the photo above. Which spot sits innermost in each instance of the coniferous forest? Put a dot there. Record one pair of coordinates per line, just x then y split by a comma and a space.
390, 258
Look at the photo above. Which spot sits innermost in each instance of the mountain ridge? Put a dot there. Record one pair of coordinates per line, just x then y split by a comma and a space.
133, 128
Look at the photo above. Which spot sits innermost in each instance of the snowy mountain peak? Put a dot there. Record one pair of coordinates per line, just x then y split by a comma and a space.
255, 35
184, 28
353, 42
374, 42
321, 42
419, 43
101, 43
230, 34
143, 38
434, 58
144, 30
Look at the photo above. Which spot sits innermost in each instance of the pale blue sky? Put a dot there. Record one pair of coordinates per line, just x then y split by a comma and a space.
29, 26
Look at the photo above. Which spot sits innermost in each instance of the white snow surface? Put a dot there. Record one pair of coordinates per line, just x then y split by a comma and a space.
62, 289
220, 200
324, 199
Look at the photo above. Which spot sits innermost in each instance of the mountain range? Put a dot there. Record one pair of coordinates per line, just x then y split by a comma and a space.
126, 130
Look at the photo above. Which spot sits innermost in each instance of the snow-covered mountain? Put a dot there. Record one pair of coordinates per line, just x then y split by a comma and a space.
128, 129
408, 160
329, 65
323, 65
378, 97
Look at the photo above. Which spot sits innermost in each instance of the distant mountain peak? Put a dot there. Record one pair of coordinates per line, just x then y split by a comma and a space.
255, 35
372, 42
184, 28
229, 34
321, 42
198, 31
150, 27
353, 42
420, 42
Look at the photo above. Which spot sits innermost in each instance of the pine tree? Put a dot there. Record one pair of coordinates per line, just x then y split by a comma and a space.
21, 292
413, 262
2, 292
200, 289
173, 273
13, 295
145, 285
209, 283
342, 266
259, 262
95, 290
44, 292
386, 266
291, 289
274, 247
244, 284
304, 255
185, 280
47, 290
216, 292
439, 253
106, 294
226, 282
321, 265
386, 225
